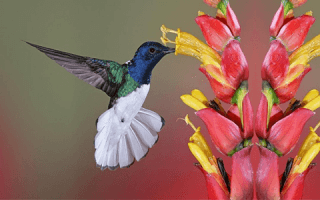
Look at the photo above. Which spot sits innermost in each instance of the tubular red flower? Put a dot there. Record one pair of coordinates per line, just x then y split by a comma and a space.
267, 180
242, 175
224, 133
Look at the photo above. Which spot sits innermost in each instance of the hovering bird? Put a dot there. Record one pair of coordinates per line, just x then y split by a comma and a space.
126, 130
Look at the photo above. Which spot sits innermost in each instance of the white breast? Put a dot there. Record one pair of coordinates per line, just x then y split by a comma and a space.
127, 107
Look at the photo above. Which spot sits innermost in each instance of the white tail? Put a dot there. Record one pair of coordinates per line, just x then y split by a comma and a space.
117, 144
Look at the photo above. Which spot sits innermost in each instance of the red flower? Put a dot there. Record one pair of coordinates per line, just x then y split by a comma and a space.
219, 183
284, 78
282, 131
225, 129
241, 186
289, 30
242, 175
269, 185
267, 181
234, 69
218, 31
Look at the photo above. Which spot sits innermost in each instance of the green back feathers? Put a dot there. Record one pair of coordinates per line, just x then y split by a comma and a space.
115, 75
129, 86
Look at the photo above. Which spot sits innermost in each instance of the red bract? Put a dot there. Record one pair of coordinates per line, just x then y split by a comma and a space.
218, 31
277, 71
295, 190
241, 179
285, 134
293, 33
282, 132
277, 21
215, 190
242, 175
289, 30
226, 131
267, 180
234, 69
232, 21
275, 65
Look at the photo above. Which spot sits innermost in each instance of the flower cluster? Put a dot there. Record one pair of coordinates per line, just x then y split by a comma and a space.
231, 131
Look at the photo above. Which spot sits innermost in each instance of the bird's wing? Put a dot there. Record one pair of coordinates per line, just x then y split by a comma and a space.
105, 75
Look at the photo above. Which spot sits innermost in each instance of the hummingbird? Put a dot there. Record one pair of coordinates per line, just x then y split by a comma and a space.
126, 131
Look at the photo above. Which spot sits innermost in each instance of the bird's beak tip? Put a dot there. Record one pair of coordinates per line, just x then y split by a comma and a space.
170, 50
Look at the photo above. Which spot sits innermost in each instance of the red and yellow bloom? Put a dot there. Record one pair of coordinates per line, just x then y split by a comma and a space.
225, 128
289, 185
281, 133
221, 185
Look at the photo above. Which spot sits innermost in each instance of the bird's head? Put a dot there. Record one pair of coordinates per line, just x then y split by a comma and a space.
145, 59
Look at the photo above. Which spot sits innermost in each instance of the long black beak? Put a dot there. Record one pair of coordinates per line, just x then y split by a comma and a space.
170, 50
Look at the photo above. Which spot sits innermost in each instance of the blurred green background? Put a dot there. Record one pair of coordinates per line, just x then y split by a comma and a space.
47, 115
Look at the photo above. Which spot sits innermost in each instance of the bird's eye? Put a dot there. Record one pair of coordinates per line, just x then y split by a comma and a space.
152, 50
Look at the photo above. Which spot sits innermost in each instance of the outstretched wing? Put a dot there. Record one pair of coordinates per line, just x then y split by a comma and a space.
105, 75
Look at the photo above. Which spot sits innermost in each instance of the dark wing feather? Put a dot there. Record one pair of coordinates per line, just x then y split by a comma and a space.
93, 71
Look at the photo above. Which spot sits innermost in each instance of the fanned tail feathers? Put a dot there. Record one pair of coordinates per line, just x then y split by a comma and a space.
117, 145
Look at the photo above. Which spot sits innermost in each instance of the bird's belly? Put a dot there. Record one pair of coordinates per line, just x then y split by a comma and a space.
126, 108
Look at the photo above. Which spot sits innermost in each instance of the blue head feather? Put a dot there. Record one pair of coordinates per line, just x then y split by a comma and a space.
145, 59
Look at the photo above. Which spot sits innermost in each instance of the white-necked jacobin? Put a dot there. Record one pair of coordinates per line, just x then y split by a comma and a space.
126, 130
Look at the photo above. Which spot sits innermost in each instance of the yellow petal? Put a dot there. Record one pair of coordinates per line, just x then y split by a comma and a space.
309, 13
312, 94
187, 44
308, 157
202, 158
308, 51
200, 96
200, 13
192, 102
198, 139
310, 140
313, 104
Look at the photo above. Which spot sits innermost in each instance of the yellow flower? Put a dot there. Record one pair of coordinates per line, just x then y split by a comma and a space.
312, 100
308, 151
197, 100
